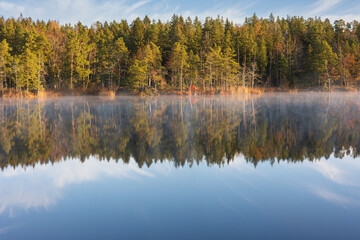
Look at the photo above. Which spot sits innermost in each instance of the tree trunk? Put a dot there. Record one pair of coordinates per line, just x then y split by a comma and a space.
210, 78
119, 74
181, 76
38, 85
71, 71
244, 75
253, 75
16, 82
1, 81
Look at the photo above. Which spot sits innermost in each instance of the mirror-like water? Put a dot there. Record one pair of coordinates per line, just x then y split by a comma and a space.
277, 165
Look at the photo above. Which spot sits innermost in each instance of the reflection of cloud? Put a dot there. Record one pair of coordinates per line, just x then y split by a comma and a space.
333, 197
4, 230
340, 171
331, 172
42, 186
342, 174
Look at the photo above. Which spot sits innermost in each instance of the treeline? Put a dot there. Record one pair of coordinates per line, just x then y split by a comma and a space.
183, 131
147, 55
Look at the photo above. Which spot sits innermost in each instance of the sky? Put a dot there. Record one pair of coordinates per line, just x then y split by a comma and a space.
90, 11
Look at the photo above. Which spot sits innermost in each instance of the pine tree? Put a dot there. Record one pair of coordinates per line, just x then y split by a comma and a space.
29, 69
42, 48
72, 44
230, 68
148, 64
137, 35
119, 56
79, 48
5, 59
193, 70
83, 54
322, 61
137, 75
57, 54
178, 63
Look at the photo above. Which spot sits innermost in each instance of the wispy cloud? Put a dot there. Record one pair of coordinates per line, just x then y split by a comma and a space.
11, 7
72, 11
90, 11
137, 5
331, 9
346, 17
322, 6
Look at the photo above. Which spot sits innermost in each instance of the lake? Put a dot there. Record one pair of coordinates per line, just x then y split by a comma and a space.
273, 166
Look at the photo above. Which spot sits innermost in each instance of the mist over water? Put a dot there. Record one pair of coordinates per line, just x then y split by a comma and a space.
173, 167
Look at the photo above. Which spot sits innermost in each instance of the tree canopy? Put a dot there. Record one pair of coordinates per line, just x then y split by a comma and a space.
216, 54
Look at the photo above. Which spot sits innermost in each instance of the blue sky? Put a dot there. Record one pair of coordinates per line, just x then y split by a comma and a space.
90, 11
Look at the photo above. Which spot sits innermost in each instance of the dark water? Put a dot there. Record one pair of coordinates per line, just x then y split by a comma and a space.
275, 166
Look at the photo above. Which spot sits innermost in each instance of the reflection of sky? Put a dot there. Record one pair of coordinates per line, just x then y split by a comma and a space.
342, 183
99, 196
43, 185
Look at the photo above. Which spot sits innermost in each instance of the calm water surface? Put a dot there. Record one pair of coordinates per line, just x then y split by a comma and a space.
273, 166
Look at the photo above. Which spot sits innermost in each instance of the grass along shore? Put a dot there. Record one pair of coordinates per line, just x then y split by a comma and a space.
12, 93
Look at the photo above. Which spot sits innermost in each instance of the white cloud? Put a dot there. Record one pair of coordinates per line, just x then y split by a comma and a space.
346, 17
136, 6
10, 7
66, 11
331, 9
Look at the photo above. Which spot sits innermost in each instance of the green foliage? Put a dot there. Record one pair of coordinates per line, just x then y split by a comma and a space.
28, 73
146, 68
178, 64
290, 51
5, 59
137, 75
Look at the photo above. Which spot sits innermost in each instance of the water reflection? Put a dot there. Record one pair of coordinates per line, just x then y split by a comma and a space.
43, 185
71, 166
183, 130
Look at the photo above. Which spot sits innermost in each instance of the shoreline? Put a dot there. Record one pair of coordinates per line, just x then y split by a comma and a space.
111, 93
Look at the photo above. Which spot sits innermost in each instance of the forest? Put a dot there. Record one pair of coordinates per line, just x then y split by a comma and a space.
214, 130
150, 55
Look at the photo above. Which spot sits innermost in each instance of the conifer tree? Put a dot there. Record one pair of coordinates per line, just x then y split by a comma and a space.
119, 58
178, 63
29, 69
5, 59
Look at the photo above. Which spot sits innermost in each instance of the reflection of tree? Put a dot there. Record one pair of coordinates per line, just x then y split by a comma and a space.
150, 130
